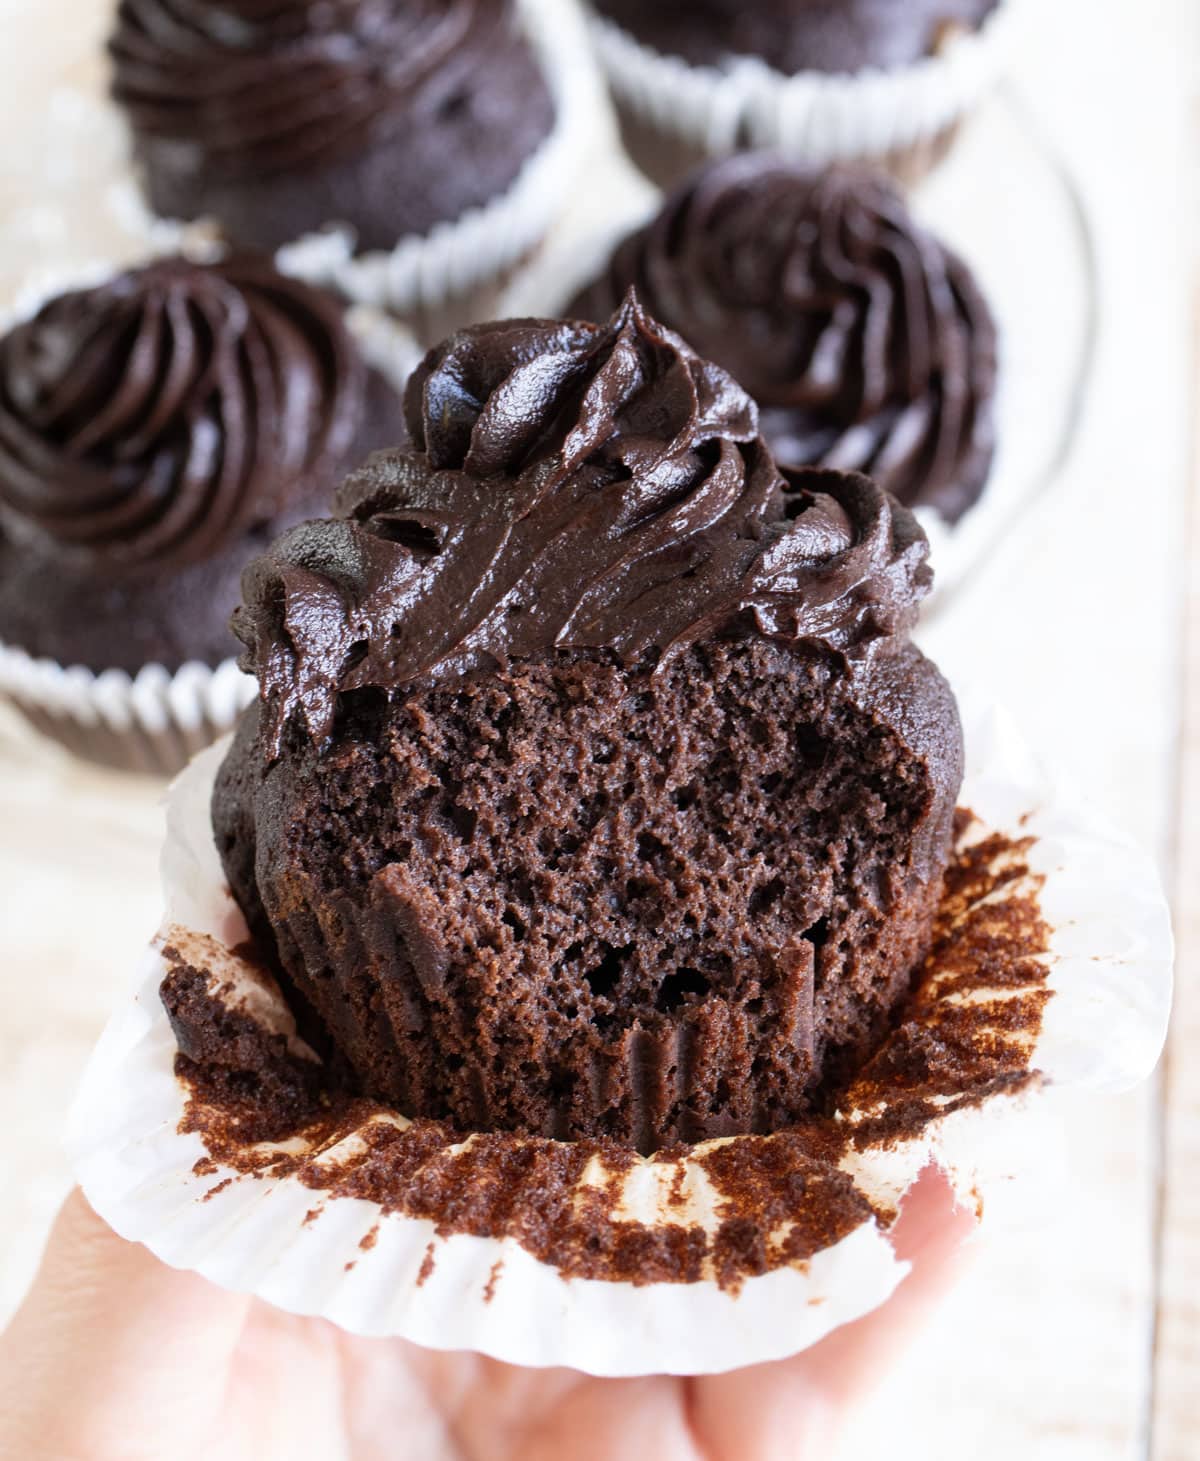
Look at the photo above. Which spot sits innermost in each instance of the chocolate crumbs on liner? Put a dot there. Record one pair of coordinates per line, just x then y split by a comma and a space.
489, 1292
427, 1266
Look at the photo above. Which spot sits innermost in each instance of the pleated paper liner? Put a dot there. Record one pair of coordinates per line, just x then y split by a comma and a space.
675, 115
1051, 967
152, 722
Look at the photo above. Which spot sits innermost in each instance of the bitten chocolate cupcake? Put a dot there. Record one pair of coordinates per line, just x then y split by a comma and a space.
156, 432
595, 785
866, 342
390, 119
823, 80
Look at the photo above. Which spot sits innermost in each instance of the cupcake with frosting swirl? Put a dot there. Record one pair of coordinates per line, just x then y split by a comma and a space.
156, 432
866, 342
595, 787
392, 122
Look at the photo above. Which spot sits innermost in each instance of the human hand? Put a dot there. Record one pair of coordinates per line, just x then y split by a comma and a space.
115, 1357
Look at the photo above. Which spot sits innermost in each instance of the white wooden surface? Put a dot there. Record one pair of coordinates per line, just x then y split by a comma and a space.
1051, 1348
1176, 1397
1076, 1336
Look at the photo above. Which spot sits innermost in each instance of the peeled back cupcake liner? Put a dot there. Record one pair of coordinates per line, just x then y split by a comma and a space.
454, 274
154, 720
674, 114
1053, 970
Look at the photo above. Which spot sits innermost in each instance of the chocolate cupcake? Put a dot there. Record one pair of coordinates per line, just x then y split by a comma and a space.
822, 80
866, 343
391, 120
595, 785
156, 432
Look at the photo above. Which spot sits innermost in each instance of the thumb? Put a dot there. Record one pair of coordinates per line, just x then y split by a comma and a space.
113, 1355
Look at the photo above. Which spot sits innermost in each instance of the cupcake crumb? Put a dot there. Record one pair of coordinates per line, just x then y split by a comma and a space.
427, 1267
489, 1292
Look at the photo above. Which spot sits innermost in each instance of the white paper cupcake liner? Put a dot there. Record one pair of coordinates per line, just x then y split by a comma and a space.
1107, 967
424, 274
152, 722
818, 118
155, 720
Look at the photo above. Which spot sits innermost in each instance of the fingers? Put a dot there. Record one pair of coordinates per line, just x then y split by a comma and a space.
931, 1234
793, 1409
491, 1411
112, 1353
114, 1356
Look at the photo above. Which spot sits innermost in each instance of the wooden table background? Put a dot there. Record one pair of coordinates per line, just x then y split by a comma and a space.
1076, 1336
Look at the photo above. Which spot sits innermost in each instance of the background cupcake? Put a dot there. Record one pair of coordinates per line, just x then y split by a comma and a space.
866, 343
858, 80
393, 121
155, 433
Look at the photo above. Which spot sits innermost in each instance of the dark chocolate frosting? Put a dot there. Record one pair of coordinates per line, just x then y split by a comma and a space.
146, 422
798, 35
266, 86
568, 487
866, 343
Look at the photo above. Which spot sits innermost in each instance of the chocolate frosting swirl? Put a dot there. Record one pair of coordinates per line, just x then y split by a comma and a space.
866, 343
145, 422
569, 487
264, 86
